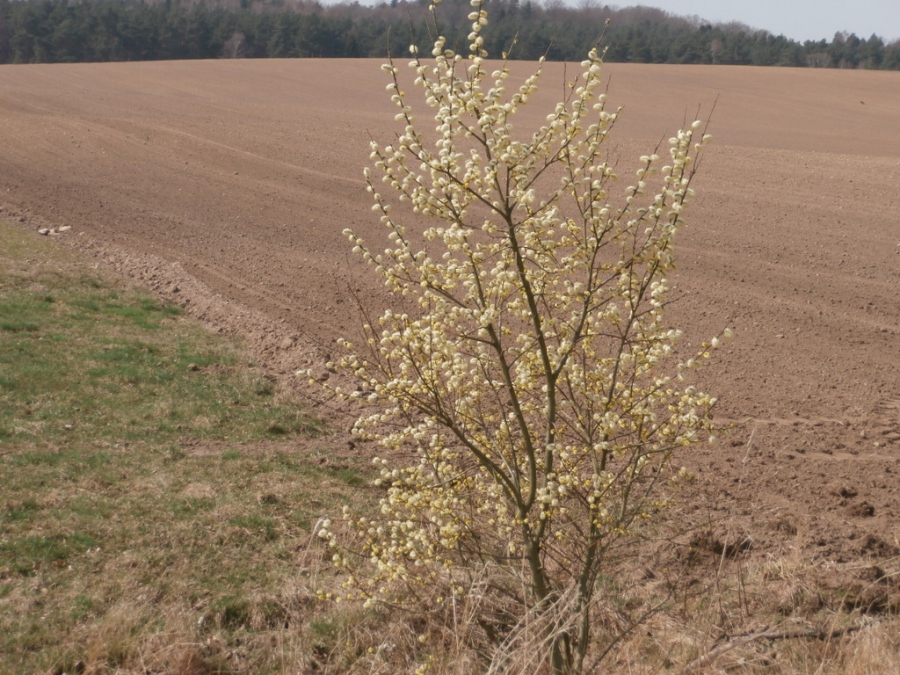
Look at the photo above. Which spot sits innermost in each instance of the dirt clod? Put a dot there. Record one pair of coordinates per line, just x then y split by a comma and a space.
861, 510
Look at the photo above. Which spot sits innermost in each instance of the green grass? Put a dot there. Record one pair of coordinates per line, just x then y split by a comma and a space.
104, 364
157, 491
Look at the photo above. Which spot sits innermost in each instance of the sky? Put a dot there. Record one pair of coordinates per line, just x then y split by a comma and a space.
797, 19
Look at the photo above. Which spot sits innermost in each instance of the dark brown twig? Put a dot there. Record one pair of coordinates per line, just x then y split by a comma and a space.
765, 634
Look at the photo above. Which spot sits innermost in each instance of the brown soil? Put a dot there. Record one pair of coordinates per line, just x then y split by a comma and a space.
225, 186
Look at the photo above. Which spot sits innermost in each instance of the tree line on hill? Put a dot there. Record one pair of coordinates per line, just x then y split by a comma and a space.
60, 31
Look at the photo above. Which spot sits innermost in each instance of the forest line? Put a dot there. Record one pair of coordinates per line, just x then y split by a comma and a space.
63, 31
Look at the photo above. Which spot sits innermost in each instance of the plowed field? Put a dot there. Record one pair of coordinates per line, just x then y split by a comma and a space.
227, 185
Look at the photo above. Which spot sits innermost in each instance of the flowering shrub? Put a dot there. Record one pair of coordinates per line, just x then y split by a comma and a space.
534, 389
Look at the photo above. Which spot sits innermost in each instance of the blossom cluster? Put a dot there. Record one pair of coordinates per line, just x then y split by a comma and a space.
535, 385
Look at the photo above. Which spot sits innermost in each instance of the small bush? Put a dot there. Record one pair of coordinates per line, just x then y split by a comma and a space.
534, 389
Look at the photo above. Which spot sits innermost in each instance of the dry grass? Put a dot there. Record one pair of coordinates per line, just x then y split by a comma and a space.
685, 609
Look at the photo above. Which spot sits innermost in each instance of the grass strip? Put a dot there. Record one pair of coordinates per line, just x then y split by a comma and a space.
158, 491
